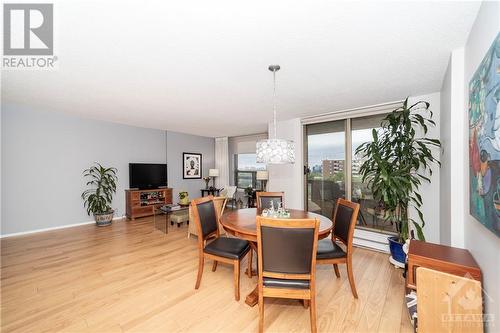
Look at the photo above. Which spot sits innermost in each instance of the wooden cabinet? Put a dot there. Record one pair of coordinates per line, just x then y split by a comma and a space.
440, 258
140, 203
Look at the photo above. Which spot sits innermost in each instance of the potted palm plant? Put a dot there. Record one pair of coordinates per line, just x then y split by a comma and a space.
396, 163
97, 199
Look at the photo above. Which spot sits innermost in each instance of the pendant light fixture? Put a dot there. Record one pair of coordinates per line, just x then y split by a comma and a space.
274, 150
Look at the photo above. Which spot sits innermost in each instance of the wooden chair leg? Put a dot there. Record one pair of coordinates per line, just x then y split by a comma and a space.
214, 266
261, 313
312, 312
249, 269
237, 280
201, 263
305, 303
351, 277
336, 268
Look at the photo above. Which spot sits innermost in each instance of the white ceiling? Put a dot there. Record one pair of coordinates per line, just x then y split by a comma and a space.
200, 67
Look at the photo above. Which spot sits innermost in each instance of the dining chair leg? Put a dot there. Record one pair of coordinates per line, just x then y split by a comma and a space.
201, 263
261, 313
237, 280
214, 266
305, 303
351, 277
336, 268
249, 269
312, 312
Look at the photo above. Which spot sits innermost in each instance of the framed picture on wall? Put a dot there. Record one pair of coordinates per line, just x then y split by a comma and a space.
192, 165
484, 140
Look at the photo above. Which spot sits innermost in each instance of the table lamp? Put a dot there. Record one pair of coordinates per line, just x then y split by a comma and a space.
212, 173
263, 176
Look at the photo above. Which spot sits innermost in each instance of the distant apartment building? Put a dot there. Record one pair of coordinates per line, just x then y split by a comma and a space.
356, 164
331, 167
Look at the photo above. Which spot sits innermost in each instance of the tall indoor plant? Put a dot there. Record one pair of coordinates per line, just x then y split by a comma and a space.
396, 163
97, 199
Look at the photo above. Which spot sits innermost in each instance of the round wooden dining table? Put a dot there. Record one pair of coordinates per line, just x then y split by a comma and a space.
242, 223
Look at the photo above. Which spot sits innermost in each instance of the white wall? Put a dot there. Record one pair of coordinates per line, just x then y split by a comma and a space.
430, 191
44, 154
483, 244
445, 176
453, 134
289, 177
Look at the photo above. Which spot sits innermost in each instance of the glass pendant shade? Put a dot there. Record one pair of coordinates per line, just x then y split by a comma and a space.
275, 151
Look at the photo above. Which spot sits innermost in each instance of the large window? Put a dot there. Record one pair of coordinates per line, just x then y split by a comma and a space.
333, 169
246, 168
326, 165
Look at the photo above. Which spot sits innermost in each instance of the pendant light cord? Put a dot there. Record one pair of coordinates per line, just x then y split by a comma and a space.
274, 103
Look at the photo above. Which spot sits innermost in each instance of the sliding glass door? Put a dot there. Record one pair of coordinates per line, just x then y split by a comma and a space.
326, 176
332, 169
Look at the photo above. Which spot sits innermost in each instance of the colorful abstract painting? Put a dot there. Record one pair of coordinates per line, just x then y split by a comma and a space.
484, 140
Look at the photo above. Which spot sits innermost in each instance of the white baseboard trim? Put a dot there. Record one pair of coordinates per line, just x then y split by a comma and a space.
371, 239
22, 233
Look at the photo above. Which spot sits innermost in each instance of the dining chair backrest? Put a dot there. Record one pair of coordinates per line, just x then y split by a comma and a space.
344, 220
264, 199
286, 246
220, 205
205, 217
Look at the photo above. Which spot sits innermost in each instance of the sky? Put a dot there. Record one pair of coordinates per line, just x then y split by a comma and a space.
331, 146
248, 162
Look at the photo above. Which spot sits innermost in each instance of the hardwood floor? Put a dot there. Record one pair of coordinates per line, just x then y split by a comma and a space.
132, 277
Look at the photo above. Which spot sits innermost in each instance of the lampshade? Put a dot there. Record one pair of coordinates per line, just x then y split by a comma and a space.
275, 151
213, 172
262, 175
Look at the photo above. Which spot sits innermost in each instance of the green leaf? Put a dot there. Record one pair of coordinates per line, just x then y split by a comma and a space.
103, 182
397, 161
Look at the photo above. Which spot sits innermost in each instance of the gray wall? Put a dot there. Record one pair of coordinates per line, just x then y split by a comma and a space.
44, 154
178, 143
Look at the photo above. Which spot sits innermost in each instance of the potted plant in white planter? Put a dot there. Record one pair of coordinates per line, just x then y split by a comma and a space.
396, 163
98, 198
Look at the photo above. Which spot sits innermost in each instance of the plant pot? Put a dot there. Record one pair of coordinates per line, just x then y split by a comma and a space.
396, 248
104, 219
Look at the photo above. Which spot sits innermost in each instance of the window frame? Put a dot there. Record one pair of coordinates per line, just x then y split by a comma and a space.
256, 184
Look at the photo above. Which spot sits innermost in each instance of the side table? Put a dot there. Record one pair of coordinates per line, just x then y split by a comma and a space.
166, 211
441, 258
208, 191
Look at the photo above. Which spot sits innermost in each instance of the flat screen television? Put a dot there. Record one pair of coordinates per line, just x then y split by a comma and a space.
147, 175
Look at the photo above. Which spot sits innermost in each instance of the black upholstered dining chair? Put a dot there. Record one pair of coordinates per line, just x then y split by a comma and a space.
329, 252
287, 262
264, 199
226, 250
